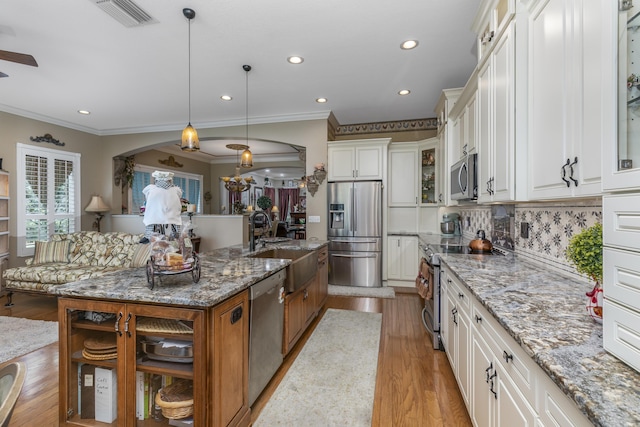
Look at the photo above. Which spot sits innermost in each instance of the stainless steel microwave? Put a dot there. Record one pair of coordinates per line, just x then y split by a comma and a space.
464, 179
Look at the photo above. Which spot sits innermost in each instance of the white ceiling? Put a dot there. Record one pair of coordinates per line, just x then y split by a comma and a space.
135, 79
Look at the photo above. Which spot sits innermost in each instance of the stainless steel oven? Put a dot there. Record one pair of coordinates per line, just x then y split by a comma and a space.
431, 310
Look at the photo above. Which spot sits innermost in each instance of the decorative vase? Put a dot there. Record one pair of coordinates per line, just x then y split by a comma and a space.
594, 302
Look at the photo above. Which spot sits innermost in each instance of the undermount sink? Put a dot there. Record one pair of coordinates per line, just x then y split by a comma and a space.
300, 271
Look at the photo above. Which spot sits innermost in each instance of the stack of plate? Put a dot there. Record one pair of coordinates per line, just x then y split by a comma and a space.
100, 348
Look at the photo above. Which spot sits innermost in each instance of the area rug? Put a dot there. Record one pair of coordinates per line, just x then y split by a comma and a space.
21, 336
332, 381
356, 291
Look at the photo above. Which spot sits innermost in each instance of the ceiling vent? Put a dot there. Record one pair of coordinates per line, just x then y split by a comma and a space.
125, 12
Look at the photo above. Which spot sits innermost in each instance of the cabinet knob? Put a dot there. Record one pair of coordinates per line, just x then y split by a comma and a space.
460, 295
236, 315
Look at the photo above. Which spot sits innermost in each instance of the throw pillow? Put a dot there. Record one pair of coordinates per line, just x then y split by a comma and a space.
141, 255
51, 252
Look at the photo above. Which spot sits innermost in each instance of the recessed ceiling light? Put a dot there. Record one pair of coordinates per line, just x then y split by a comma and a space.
321, 100
409, 44
226, 98
85, 112
295, 59
404, 92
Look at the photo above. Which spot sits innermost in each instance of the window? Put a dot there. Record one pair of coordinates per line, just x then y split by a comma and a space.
191, 185
50, 182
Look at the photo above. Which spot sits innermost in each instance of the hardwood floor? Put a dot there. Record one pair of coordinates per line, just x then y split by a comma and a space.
414, 385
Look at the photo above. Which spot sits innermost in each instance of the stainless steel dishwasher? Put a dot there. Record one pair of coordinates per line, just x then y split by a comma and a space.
266, 325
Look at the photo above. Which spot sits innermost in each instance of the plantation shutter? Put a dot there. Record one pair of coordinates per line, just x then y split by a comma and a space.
49, 179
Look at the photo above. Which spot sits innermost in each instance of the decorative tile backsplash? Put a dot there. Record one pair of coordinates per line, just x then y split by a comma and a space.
550, 227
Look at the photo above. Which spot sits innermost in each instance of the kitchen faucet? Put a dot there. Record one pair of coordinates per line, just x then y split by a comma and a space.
252, 222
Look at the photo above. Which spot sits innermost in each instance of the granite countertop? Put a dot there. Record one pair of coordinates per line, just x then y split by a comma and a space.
224, 273
545, 313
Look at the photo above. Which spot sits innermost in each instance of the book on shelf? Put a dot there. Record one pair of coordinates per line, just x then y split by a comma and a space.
87, 391
106, 395
140, 395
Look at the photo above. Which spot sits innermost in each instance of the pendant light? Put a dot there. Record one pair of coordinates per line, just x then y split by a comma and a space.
246, 158
190, 141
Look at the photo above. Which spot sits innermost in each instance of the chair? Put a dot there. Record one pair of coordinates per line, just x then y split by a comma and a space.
11, 380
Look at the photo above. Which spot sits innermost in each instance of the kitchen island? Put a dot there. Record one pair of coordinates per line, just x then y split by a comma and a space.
105, 321
544, 313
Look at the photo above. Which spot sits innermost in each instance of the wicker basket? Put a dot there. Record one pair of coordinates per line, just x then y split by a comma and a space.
176, 400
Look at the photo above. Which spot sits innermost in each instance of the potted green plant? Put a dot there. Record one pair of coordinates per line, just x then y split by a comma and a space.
585, 253
264, 203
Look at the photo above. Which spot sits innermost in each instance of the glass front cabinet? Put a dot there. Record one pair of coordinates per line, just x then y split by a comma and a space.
116, 358
622, 164
429, 189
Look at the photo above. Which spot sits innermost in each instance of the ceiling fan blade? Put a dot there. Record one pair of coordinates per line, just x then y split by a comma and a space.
20, 58
3, 74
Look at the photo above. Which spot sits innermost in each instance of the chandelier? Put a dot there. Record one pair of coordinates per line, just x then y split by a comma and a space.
236, 183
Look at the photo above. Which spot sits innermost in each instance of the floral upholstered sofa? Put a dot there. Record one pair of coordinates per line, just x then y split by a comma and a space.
69, 257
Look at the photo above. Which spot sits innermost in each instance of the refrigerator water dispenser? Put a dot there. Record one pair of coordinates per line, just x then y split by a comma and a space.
336, 216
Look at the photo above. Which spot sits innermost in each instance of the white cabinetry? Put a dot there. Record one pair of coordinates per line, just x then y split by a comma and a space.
446, 141
496, 121
403, 258
458, 332
357, 161
568, 104
500, 383
621, 212
404, 175
621, 261
621, 151
464, 115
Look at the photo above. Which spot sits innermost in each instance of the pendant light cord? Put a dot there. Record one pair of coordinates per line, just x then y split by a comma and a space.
189, 71
246, 106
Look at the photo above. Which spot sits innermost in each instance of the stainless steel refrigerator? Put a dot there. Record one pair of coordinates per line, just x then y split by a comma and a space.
355, 233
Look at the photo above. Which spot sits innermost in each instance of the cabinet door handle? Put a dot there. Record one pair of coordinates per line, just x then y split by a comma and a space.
440, 197
306, 295
478, 319
495, 394
460, 295
126, 325
564, 173
117, 325
506, 356
487, 371
464, 150
448, 280
575, 181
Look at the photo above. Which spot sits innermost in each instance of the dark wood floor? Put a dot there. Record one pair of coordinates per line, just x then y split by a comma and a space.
414, 385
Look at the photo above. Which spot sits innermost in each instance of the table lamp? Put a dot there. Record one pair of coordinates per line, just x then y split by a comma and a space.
99, 207
274, 212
